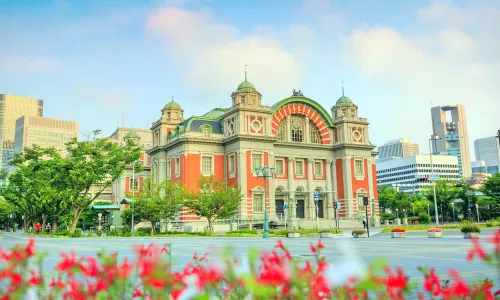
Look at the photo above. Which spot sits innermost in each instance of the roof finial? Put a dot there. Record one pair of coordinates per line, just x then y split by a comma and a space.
172, 99
342, 87
245, 71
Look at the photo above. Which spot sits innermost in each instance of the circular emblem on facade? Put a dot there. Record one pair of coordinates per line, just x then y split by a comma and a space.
297, 123
256, 125
357, 135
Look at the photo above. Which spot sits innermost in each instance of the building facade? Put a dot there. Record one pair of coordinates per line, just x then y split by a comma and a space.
407, 173
398, 148
310, 149
12, 108
488, 150
450, 125
132, 179
44, 132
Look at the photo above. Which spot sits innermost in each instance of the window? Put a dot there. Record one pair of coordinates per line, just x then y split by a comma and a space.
231, 163
318, 169
243, 99
279, 167
358, 167
314, 136
169, 169
297, 129
258, 203
206, 131
281, 132
206, 164
134, 184
299, 167
177, 166
256, 160
361, 205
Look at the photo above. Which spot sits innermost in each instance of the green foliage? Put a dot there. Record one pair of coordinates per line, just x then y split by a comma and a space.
247, 231
90, 217
216, 200
359, 232
6, 209
77, 233
470, 228
113, 232
62, 232
424, 218
491, 223
491, 188
143, 231
387, 216
3, 174
158, 202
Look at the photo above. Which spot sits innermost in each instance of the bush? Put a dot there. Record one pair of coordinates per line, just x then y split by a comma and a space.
413, 219
434, 229
242, 232
144, 231
491, 223
358, 232
424, 218
125, 231
62, 232
388, 216
77, 233
112, 232
398, 230
470, 228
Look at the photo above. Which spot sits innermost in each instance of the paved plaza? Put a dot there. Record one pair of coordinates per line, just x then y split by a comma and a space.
408, 253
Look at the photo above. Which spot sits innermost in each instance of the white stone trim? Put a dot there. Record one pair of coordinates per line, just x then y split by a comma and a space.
201, 164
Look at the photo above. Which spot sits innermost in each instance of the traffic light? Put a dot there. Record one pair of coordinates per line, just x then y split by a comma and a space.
426, 179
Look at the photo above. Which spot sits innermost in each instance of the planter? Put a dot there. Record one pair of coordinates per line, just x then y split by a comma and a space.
293, 235
359, 236
435, 234
326, 235
471, 235
398, 234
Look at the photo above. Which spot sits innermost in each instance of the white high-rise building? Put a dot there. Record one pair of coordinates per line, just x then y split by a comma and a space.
398, 148
407, 173
487, 150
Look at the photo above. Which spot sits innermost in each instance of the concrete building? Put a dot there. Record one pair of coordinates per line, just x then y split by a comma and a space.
407, 173
44, 132
132, 180
450, 125
12, 108
397, 148
310, 149
488, 150
479, 167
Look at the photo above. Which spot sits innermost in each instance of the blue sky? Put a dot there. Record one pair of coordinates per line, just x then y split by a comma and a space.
92, 61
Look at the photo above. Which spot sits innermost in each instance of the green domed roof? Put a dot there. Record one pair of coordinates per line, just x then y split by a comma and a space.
246, 86
132, 135
172, 105
344, 100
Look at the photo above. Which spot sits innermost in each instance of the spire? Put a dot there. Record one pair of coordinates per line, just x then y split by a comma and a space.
342, 87
172, 99
245, 71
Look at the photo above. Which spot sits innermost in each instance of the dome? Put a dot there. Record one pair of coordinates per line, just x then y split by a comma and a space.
344, 101
246, 86
172, 105
132, 135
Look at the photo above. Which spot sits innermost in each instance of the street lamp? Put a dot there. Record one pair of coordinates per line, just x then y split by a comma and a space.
397, 215
265, 172
453, 208
434, 137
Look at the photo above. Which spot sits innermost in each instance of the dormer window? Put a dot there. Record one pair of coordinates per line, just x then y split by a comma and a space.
206, 131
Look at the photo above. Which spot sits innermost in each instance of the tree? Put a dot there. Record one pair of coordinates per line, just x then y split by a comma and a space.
157, 202
216, 200
386, 196
3, 174
491, 187
446, 192
92, 166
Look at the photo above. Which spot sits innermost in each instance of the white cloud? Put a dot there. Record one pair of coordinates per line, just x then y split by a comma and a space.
17, 64
210, 56
456, 64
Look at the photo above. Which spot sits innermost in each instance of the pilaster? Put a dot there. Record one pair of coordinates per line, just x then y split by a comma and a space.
242, 181
291, 184
349, 203
311, 209
329, 195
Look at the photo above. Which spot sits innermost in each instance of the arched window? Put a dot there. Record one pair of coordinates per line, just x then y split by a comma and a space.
206, 131
314, 136
297, 131
281, 132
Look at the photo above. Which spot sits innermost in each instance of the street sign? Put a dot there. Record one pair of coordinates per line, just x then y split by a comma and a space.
434, 177
339, 205
284, 206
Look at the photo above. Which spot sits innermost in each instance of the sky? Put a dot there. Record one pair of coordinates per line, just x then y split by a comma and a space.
103, 63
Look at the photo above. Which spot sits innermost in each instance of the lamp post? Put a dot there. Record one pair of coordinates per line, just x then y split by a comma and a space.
397, 215
265, 172
434, 137
11, 227
453, 208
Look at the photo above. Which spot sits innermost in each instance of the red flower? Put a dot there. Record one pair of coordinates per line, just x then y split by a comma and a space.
92, 268
164, 249
35, 280
137, 293
124, 270
495, 239
432, 283
313, 249
30, 248
67, 263
476, 250
57, 284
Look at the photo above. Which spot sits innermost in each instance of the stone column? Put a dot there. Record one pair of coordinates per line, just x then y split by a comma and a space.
291, 187
329, 195
242, 181
272, 189
348, 198
162, 170
306, 131
311, 209
288, 128
371, 190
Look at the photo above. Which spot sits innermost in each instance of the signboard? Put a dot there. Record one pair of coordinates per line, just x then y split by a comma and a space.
284, 206
434, 177
339, 205
365, 201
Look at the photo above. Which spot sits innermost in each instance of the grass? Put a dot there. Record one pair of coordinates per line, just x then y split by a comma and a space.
276, 233
424, 228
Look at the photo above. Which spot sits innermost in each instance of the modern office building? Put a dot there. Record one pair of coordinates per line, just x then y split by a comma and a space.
488, 150
43, 132
132, 179
450, 125
407, 173
479, 167
12, 108
397, 148
310, 149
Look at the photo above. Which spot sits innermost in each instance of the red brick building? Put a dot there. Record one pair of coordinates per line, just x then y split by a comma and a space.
311, 150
